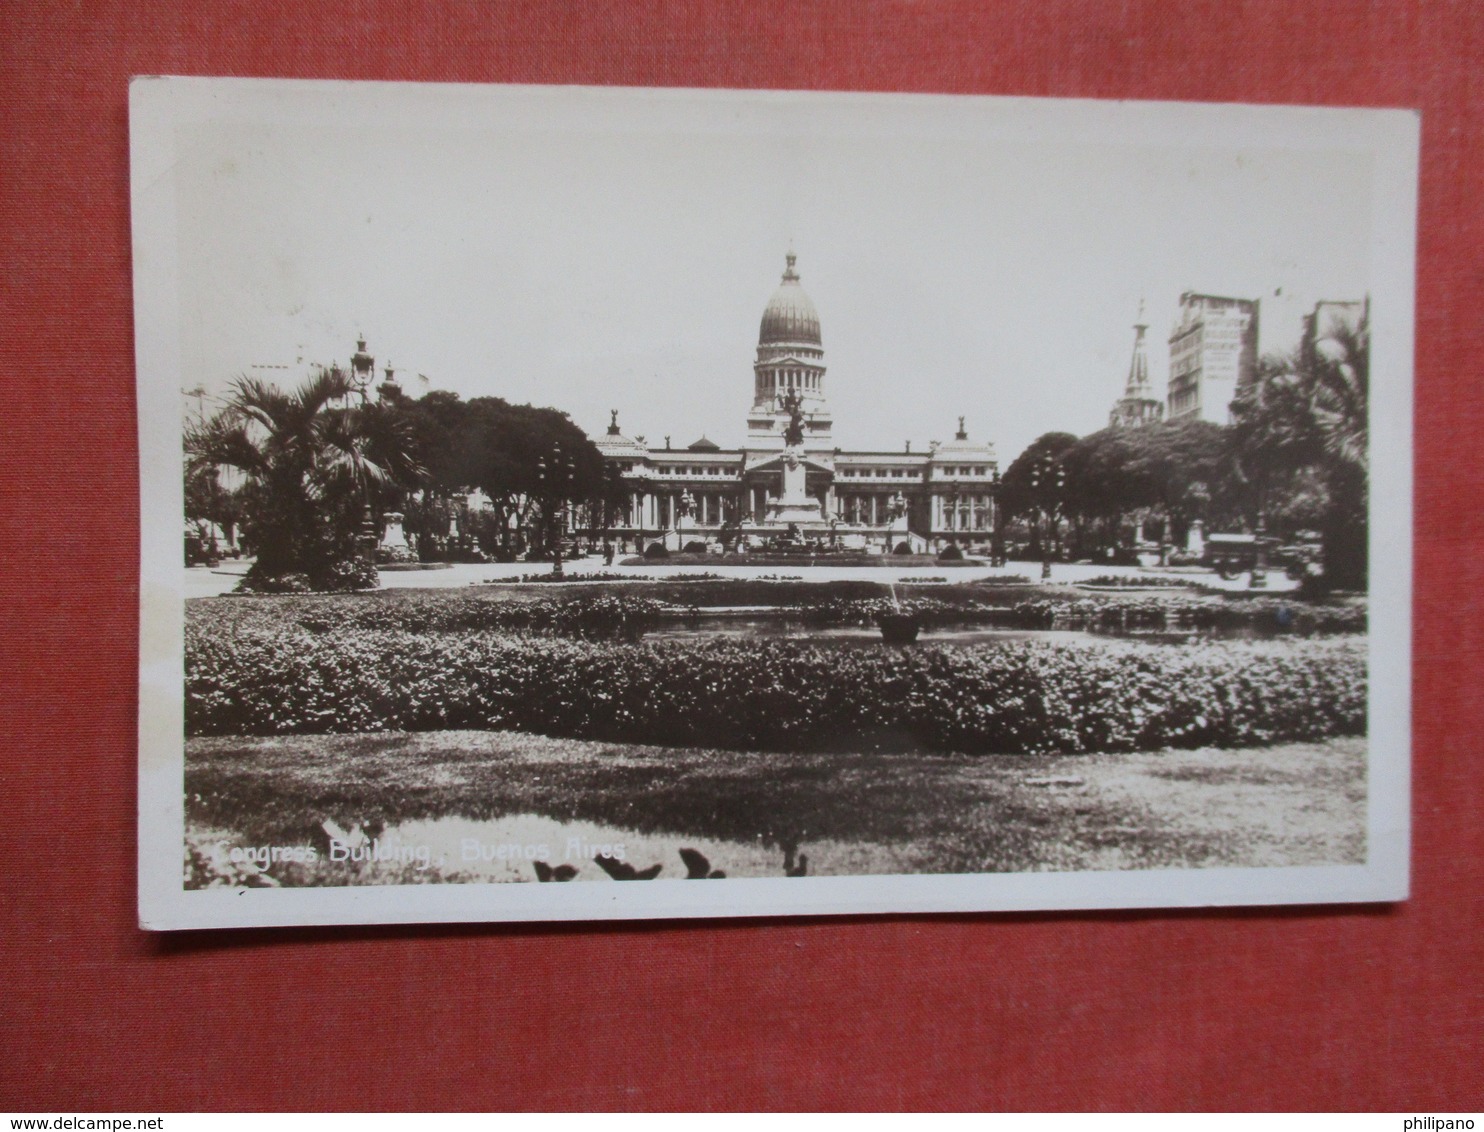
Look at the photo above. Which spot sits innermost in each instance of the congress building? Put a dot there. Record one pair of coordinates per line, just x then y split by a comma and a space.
790, 482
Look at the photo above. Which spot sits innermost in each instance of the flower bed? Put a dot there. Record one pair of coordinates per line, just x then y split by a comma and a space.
1138, 582
773, 694
547, 577
597, 612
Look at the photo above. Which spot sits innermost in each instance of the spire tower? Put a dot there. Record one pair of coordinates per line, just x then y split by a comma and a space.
1138, 406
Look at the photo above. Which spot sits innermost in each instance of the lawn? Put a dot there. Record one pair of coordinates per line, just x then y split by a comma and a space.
485, 805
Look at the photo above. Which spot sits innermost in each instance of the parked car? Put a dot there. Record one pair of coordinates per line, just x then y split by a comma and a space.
1230, 555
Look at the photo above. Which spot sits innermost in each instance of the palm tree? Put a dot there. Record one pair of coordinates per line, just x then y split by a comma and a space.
1302, 419
1337, 374
315, 468
1272, 434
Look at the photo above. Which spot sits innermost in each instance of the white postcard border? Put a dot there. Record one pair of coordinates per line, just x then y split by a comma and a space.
159, 106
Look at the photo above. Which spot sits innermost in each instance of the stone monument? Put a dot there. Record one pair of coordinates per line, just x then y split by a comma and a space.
794, 507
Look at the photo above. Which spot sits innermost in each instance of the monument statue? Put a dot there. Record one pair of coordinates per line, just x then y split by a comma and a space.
792, 404
793, 508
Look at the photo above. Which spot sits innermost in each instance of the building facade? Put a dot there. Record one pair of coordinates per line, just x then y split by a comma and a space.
1213, 349
789, 481
1330, 317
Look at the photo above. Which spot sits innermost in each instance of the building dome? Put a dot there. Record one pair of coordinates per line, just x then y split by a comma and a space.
789, 317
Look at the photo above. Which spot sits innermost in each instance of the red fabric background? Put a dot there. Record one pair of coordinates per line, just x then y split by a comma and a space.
1329, 1008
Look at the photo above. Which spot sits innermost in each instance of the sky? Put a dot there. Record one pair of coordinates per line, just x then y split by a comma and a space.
606, 250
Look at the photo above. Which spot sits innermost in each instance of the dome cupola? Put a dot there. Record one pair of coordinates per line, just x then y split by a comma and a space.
789, 317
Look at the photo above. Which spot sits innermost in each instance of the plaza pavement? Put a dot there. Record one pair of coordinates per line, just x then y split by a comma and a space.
201, 581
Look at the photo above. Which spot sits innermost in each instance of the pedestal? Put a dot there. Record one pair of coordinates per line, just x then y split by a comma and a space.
793, 505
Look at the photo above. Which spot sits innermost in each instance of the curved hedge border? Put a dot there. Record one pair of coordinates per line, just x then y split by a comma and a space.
608, 615
776, 694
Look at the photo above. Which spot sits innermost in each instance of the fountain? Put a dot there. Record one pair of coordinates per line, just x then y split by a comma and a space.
897, 627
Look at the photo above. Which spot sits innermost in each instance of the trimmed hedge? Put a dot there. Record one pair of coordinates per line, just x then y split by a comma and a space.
595, 611
594, 616
1269, 615
775, 694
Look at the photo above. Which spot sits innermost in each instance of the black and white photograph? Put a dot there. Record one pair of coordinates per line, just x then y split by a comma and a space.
871, 503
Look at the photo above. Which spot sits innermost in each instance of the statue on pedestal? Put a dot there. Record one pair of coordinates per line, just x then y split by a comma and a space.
792, 404
793, 507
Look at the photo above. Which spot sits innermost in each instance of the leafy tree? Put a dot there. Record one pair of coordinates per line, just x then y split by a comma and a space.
529, 461
1026, 491
1170, 472
437, 422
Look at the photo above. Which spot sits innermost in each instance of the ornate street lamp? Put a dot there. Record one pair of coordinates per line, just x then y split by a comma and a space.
1046, 471
996, 534
555, 477
1259, 561
953, 516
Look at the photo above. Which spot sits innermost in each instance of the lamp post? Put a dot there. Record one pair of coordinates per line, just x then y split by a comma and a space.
953, 517
996, 533
1259, 561
555, 477
1047, 475
612, 485
1259, 579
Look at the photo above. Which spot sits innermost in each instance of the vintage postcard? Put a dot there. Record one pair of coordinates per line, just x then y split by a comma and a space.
860, 503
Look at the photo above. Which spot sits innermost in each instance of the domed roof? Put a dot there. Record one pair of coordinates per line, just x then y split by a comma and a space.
962, 448
790, 316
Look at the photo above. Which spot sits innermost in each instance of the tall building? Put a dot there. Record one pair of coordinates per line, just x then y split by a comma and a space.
789, 474
1213, 349
1138, 405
